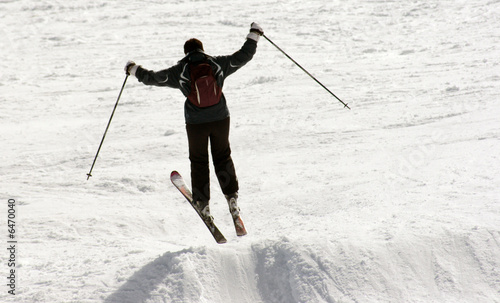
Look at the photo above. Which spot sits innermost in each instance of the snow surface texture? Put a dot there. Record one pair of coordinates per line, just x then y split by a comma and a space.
396, 200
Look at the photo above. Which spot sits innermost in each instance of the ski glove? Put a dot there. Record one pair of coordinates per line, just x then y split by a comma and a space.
255, 32
130, 68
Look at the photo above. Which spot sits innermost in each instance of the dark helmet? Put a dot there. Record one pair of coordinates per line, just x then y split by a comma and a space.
192, 45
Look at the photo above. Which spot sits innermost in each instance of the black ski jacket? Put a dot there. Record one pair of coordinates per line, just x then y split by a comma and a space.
177, 76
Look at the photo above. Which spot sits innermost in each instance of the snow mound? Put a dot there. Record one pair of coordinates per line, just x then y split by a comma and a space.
284, 270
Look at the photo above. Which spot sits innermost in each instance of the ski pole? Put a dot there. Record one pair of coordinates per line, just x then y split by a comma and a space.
345, 104
107, 127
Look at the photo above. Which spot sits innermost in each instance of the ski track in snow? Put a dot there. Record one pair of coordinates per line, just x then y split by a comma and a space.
393, 201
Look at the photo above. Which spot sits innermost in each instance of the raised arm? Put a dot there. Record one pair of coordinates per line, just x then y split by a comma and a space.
232, 63
167, 77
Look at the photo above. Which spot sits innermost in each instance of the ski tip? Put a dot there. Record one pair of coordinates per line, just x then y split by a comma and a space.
222, 241
174, 173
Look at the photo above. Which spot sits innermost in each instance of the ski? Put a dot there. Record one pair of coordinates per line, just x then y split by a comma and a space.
235, 213
239, 226
179, 183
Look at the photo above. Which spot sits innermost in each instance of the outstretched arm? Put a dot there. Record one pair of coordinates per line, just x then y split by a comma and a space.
232, 63
167, 77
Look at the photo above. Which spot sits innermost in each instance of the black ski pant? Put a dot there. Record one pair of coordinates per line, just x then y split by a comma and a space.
199, 135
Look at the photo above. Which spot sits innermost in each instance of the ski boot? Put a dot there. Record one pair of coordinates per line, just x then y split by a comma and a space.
232, 201
204, 210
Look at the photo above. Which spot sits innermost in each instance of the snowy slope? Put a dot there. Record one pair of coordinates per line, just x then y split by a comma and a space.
393, 201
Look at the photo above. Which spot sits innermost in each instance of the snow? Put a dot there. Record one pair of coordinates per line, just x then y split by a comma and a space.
396, 200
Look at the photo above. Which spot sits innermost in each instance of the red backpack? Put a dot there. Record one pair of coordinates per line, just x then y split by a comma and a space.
205, 91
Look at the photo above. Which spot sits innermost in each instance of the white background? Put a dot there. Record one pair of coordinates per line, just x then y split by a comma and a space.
395, 200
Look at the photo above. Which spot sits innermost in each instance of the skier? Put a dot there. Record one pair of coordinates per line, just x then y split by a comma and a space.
205, 122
